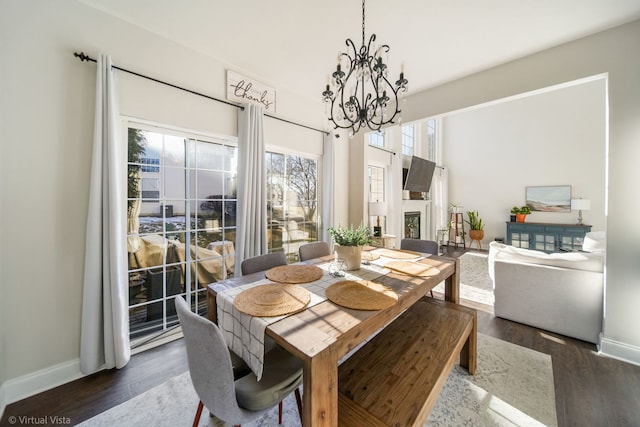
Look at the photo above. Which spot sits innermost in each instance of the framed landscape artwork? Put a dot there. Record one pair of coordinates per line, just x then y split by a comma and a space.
553, 198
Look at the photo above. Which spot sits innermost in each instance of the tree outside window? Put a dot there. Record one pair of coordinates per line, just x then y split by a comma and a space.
292, 202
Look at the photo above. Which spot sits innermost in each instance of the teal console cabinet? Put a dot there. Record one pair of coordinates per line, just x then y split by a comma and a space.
546, 237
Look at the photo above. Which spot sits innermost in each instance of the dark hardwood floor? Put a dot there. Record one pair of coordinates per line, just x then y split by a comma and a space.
590, 390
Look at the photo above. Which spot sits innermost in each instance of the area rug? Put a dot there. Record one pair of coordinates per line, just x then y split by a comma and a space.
513, 386
475, 283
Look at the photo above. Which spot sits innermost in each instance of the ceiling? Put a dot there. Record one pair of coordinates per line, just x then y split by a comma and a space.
294, 44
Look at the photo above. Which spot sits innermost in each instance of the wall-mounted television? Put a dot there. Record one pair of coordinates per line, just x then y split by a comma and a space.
419, 175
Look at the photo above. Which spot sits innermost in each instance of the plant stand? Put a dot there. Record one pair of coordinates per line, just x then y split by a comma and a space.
476, 236
456, 229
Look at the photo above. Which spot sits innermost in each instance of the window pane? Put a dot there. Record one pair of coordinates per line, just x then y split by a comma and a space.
173, 182
210, 209
291, 202
376, 193
210, 156
174, 148
229, 213
408, 141
376, 139
431, 140
209, 183
376, 184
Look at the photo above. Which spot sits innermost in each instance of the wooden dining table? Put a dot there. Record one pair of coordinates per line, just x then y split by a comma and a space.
324, 333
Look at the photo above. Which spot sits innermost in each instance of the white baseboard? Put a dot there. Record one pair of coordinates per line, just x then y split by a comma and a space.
621, 351
27, 385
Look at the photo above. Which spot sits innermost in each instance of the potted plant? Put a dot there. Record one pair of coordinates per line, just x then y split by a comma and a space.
349, 243
522, 213
476, 226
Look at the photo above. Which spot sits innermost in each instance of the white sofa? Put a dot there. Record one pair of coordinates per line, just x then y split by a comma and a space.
558, 292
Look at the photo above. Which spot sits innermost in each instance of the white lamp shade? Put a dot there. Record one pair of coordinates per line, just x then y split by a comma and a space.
377, 208
580, 204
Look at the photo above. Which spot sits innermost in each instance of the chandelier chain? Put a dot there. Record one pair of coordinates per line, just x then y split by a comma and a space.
363, 22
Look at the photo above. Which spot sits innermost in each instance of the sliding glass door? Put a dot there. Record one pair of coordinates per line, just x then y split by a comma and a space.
181, 210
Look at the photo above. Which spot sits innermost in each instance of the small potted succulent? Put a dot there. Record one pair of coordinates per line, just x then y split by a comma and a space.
521, 212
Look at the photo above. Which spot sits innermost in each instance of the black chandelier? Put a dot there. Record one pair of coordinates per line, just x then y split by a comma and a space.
366, 77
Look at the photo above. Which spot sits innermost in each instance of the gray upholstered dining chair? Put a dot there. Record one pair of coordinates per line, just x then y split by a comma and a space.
262, 262
313, 250
419, 245
232, 400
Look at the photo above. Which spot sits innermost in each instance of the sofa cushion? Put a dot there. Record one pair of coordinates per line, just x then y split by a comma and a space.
574, 260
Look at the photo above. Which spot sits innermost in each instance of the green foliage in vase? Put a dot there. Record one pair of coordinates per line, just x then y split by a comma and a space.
351, 236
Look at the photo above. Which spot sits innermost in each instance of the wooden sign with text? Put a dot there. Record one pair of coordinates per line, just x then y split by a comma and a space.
244, 89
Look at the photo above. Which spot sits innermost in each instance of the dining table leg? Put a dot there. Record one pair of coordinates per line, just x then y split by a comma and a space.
452, 285
320, 390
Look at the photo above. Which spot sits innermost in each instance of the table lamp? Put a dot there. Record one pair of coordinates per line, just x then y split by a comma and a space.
377, 209
580, 205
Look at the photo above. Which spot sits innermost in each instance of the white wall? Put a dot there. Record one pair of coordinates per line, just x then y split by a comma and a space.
616, 52
551, 138
46, 108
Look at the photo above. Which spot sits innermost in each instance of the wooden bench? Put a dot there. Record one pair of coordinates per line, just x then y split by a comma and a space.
395, 379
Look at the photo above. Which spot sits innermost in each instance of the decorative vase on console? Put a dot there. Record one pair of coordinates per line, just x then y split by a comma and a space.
349, 243
514, 211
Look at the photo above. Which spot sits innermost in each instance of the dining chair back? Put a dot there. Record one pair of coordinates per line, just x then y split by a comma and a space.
418, 245
313, 250
235, 401
262, 262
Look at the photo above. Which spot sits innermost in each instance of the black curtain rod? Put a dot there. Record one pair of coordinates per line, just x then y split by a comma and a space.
383, 149
83, 57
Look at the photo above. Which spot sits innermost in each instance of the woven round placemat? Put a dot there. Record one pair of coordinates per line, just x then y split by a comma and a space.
412, 268
388, 253
294, 273
361, 295
369, 256
271, 300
